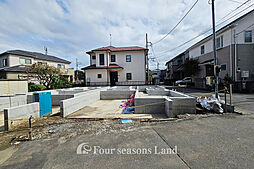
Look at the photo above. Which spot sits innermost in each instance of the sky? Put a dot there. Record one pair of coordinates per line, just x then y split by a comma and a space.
70, 28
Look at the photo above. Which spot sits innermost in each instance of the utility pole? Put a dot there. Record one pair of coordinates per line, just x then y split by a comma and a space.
214, 52
76, 63
147, 61
46, 50
110, 40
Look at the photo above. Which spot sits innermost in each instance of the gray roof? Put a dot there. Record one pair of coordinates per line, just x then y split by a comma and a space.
18, 68
36, 55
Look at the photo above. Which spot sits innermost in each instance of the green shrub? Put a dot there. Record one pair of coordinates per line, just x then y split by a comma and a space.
35, 87
61, 82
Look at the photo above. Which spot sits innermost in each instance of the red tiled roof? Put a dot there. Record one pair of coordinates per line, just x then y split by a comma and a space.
111, 66
116, 49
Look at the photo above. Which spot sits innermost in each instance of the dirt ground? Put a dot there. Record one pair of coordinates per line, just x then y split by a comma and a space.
57, 127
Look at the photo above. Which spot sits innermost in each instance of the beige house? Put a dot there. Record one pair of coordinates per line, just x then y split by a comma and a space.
235, 53
116, 66
234, 43
15, 63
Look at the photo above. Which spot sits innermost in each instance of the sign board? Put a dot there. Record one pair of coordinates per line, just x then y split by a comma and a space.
245, 74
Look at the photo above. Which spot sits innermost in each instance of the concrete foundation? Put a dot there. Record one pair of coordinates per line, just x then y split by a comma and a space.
8, 101
13, 115
116, 94
160, 100
72, 105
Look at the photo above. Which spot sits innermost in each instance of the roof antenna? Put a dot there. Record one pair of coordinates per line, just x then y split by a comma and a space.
110, 41
46, 50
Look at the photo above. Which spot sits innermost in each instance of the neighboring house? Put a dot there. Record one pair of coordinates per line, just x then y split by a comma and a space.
175, 68
116, 66
79, 77
235, 53
158, 76
15, 63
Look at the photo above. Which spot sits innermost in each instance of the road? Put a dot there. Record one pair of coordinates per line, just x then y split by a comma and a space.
221, 141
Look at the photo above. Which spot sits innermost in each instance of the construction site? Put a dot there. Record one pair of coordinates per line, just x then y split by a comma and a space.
122, 102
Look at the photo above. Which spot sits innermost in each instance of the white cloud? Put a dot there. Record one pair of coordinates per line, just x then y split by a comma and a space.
71, 27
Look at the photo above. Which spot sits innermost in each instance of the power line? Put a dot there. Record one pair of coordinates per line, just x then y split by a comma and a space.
170, 50
244, 29
231, 12
235, 1
206, 30
177, 23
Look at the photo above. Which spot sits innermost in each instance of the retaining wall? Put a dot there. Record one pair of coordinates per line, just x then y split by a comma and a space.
11, 115
13, 86
72, 105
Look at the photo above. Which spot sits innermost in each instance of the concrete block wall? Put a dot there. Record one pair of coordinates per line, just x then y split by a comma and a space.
13, 114
115, 94
12, 101
72, 105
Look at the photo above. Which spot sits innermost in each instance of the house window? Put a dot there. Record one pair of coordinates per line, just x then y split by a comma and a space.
219, 42
202, 49
5, 62
42, 63
223, 67
248, 36
101, 59
99, 76
60, 66
128, 76
113, 58
128, 58
93, 57
25, 61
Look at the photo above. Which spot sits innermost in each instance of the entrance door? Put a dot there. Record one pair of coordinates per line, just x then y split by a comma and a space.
113, 78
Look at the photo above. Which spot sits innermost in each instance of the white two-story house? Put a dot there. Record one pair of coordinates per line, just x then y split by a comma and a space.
116, 66
15, 63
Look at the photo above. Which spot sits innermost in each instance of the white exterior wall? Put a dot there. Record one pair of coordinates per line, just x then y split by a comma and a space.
136, 67
228, 36
93, 75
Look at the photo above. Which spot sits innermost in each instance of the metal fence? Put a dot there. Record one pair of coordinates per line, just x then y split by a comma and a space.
127, 83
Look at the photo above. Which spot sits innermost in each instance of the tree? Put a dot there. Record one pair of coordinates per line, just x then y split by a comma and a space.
44, 74
59, 82
190, 67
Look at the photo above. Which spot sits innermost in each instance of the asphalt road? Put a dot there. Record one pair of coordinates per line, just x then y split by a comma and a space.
222, 141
